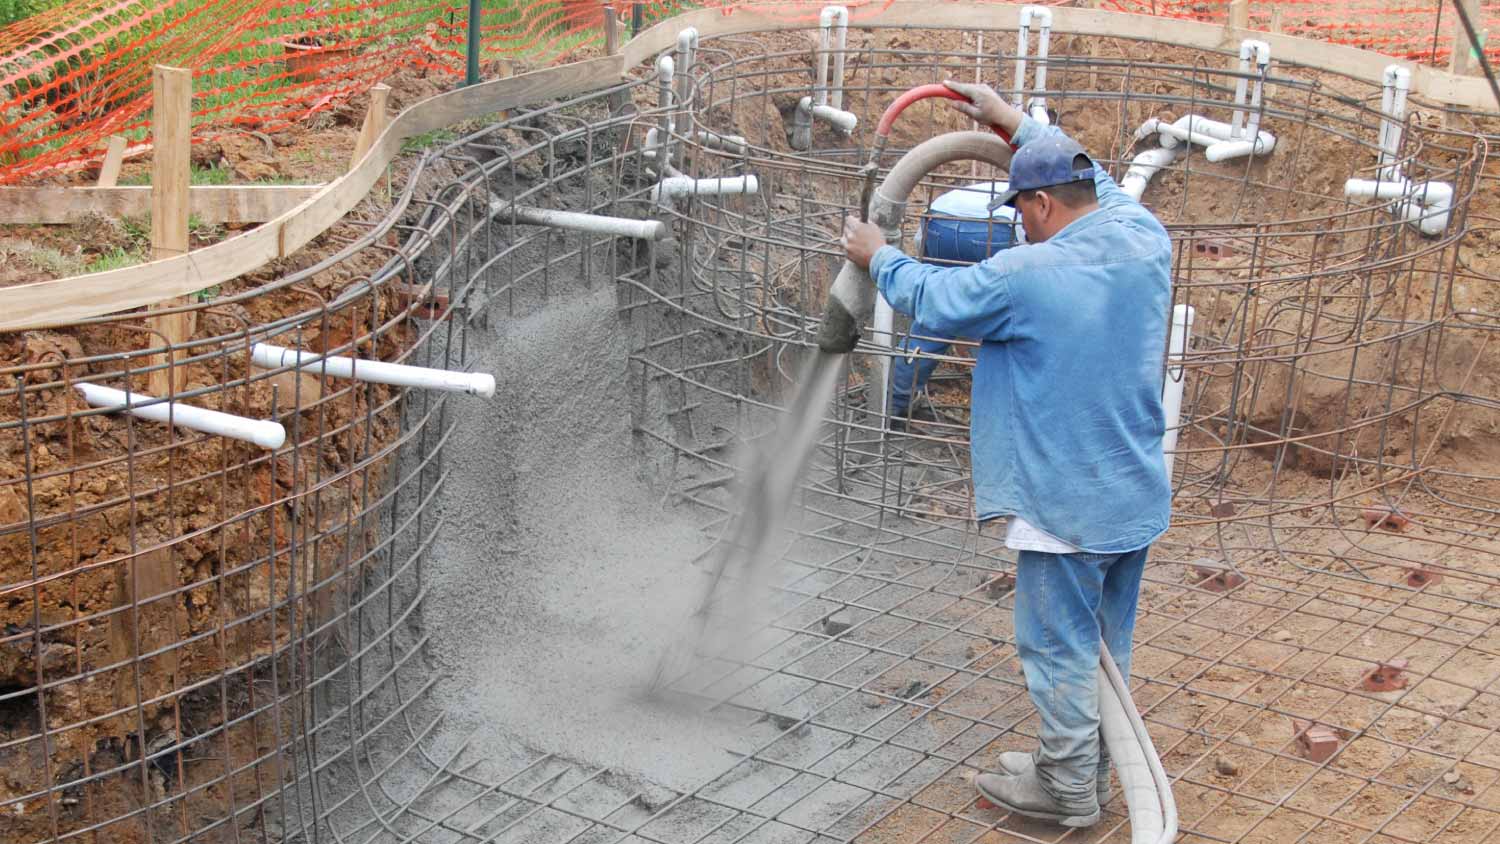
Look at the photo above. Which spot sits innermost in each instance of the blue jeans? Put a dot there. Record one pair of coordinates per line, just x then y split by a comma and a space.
1065, 604
909, 377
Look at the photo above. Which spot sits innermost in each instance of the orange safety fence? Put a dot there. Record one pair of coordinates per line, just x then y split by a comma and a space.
79, 73
76, 74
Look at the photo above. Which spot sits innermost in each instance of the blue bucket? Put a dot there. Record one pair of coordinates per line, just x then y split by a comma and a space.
959, 227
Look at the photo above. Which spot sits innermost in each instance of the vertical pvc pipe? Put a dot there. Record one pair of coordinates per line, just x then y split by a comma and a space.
884, 324
841, 43
1023, 34
1262, 65
471, 68
687, 53
1396, 83
825, 44
665, 71
1171, 399
1044, 35
1237, 122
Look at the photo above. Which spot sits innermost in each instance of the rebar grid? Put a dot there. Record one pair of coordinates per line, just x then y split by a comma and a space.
225, 644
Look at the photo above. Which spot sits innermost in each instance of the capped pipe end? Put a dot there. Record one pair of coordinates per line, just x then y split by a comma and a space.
482, 384
269, 435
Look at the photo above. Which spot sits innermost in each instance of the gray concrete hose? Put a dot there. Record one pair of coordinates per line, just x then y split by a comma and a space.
851, 300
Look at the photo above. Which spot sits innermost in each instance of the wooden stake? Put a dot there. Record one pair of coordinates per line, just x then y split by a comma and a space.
1459, 63
114, 156
375, 120
171, 163
1239, 18
150, 626
611, 48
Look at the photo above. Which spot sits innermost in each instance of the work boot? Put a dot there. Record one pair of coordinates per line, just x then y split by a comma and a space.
1023, 794
1015, 763
920, 413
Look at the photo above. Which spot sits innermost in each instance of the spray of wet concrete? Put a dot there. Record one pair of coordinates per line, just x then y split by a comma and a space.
561, 576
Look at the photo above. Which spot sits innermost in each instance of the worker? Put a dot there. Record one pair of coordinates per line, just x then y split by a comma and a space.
958, 228
1066, 430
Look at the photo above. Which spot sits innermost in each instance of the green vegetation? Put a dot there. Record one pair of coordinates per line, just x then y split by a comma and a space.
114, 259
249, 76
15, 10
43, 258
416, 143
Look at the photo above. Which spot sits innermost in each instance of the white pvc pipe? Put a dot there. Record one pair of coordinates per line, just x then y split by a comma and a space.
675, 186
830, 89
844, 121
1427, 204
1226, 150
728, 143
666, 71
576, 221
1396, 82
1171, 398
735, 144
687, 48
1143, 167
1023, 35
1262, 65
263, 433
687, 52
1044, 35
1043, 17
1261, 51
268, 356
1193, 129
883, 324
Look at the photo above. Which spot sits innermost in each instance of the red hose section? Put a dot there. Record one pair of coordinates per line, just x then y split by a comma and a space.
922, 92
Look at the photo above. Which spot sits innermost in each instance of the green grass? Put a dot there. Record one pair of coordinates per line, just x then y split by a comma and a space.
199, 176
138, 229
417, 143
15, 10
214, 175
250, 77
113, 260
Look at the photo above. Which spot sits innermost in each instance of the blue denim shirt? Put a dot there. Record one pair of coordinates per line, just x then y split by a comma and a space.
1066, 424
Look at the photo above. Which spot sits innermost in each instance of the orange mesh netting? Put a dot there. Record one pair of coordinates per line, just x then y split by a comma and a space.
74, 75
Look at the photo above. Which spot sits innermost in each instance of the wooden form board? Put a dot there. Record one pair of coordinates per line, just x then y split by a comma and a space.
209, 203
66, 300
1428, 82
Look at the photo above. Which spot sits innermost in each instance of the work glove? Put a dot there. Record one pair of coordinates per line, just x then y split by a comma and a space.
985, 106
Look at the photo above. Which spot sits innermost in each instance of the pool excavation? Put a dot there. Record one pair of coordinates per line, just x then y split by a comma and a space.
563, 503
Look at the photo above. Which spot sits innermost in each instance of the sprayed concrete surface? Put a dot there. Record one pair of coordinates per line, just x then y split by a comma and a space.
560, 577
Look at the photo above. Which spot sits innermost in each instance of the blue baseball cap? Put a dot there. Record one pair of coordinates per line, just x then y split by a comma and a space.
1044, 163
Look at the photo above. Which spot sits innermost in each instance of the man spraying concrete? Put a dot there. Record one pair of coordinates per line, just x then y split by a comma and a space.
1066, 430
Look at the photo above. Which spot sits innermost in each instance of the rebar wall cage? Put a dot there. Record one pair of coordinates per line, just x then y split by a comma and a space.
209, 641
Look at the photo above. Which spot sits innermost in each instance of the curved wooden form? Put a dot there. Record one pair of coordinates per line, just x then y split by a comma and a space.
53, 303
